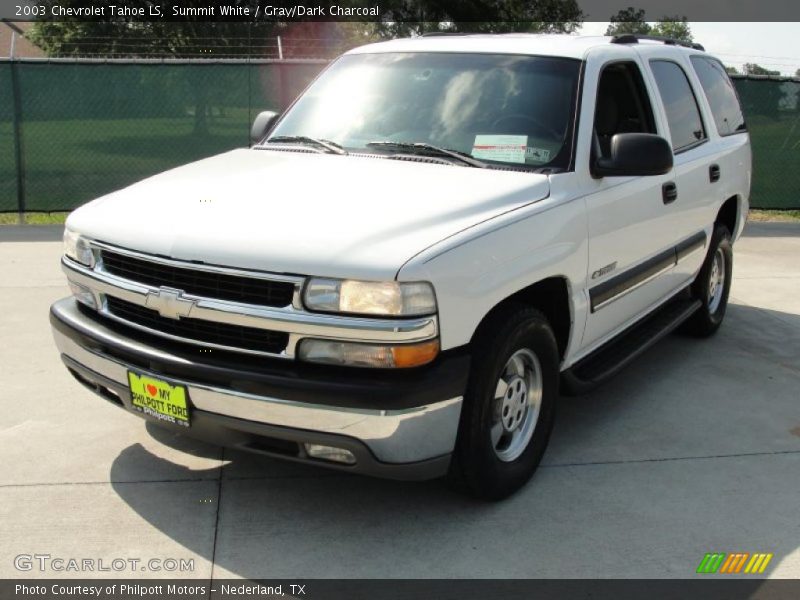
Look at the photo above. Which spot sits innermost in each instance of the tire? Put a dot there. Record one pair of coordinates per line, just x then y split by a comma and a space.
504, 429
708, 288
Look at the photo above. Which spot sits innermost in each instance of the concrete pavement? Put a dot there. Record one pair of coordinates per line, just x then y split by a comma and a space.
692, 449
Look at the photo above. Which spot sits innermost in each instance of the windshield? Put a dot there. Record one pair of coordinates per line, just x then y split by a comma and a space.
500, 109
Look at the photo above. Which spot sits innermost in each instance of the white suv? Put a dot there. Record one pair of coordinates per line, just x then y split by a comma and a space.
400, 272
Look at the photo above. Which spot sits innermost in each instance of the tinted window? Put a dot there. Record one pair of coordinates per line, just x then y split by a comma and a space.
499, 108
683, 116
623, 105
721, 95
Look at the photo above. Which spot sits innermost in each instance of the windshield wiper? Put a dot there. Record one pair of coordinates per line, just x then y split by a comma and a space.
431, 150
326, 145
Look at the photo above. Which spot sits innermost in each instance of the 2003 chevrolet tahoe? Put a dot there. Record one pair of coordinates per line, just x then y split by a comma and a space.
409, 264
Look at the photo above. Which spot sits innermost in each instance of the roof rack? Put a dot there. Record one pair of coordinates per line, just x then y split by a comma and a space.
443, 33
633, 38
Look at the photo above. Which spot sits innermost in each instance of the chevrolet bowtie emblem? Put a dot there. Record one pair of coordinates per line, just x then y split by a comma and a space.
169, 303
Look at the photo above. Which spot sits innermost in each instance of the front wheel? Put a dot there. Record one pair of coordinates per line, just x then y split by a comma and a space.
509, 406
713, 285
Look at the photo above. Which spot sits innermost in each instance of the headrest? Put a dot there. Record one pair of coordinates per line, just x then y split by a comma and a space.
606, 116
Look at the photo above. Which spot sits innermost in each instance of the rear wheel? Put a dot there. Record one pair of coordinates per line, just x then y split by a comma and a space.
509, 406
712, 285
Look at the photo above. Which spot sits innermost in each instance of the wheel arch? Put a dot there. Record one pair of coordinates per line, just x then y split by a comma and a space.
551, 297
729, 215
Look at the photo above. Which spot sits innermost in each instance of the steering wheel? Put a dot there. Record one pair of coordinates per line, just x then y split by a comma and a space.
555, 135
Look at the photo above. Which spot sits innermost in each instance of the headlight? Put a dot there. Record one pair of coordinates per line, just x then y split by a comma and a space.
368, 355
388, 298
77, 248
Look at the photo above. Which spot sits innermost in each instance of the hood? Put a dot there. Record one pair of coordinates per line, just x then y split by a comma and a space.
303, 213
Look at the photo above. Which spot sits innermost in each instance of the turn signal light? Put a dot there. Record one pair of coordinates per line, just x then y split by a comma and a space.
415, 355
368, 355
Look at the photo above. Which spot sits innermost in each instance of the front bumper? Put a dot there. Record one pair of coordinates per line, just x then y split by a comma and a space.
401, 425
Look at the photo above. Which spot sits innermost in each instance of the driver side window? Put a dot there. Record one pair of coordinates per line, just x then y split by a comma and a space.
623, 106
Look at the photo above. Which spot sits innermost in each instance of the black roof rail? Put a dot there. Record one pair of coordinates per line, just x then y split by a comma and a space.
633, 38
443, 33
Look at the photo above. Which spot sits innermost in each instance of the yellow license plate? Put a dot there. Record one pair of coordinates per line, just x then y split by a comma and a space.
159, 399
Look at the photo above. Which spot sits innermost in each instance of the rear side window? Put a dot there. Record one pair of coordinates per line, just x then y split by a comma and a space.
683, 115
721, 95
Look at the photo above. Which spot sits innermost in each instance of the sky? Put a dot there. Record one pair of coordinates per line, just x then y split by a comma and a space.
775, 46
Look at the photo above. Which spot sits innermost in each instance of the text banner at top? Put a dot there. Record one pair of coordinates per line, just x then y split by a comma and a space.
439, 11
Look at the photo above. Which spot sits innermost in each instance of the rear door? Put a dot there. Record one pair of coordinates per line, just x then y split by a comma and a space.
728, 132
692, 211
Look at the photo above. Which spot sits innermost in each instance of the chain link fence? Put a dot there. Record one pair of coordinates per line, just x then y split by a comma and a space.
84, 128
73, 130
772, 109
8, 139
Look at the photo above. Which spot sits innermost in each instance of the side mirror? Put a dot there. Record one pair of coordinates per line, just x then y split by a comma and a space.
635, 154
261, 125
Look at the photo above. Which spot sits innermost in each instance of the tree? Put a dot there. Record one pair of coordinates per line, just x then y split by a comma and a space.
191, 38
631, 20
732, 70
415, 17
628, 20
676, 27
797, 74
196, 38
114, 36
756, 69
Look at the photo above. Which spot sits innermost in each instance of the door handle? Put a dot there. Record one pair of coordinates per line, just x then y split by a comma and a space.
713, 173
669, 192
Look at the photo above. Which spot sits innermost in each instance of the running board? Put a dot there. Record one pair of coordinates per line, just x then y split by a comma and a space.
612, 357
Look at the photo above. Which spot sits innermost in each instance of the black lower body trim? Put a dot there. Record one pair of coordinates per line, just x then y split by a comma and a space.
686, 247
622, 283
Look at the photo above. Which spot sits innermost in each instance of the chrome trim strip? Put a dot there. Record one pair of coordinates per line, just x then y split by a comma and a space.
676, 254
691, 252
628, 290
691, 245
299, 324
401, 436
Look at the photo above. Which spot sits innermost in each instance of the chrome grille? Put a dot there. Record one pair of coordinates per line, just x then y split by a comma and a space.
223, 307
197, 282
204, 332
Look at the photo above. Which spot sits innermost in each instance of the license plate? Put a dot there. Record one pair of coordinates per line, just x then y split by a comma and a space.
159, 399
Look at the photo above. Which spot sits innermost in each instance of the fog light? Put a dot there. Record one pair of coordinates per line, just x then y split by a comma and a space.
82, 294
339, 455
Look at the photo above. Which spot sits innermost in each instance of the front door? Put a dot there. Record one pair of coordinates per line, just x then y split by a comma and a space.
631, 243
